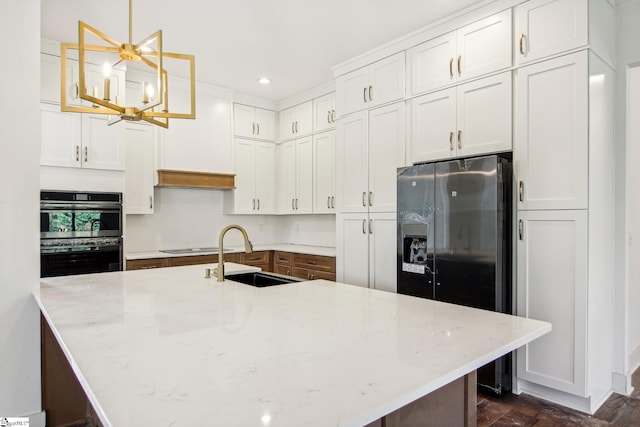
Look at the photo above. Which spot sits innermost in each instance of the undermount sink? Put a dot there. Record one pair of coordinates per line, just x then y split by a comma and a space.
260, 279
192, 250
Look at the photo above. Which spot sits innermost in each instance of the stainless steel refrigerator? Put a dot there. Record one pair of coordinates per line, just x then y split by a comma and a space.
454, 239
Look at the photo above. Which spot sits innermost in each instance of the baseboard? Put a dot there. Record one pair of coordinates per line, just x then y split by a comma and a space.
621, 383
582, 404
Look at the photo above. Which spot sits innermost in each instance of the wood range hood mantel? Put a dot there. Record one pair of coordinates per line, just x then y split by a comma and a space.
189, 179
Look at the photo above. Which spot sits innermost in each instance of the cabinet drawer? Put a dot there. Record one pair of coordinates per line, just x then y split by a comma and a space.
142, 264
315, 262
282, 257
282, 269
232, 257
305, 273
254, 258
193, 260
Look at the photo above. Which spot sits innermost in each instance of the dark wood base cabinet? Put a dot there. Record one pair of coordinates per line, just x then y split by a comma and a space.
305, 266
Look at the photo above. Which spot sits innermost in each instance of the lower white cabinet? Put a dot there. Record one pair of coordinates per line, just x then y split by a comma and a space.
139, 141
324, 172
366, 250
552, 286
295, 176
255, 182
79, 140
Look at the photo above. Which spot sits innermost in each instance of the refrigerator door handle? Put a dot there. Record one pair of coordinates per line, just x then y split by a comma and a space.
520, 229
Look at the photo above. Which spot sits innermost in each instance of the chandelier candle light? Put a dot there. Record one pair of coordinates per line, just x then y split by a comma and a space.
147, 54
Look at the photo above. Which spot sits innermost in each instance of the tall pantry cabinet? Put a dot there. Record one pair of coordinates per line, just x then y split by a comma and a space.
563, 166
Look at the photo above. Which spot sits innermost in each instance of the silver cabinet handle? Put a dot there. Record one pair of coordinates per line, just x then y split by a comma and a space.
451, 67
293, 206
258, 204
333, 202
253, 128
451, 141
297, 127
86, 154
77, 153
364, 197
333, 116
364, 226
370, 226
296, 204
521, 191
370, 198
258, 128
459, 64
254, 204
328, 202
459, 139
364, 94
328, 116
150, 202
370, 93
522, 39
520, 229
292, 129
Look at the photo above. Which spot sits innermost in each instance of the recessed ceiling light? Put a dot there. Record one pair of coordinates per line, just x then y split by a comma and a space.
264, 80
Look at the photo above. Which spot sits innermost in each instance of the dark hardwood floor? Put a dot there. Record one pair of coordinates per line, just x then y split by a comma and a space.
524, 411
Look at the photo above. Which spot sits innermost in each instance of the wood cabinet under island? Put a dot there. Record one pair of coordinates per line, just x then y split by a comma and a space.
168, 346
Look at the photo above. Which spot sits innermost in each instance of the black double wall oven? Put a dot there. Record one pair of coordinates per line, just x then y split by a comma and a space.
80, 232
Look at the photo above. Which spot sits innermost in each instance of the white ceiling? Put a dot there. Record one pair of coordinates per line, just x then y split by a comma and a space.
293, 42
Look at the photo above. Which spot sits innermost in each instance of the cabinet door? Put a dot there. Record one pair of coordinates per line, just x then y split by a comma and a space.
386, 80
484, 115
433, 126
352, 164
433, 64
386, 155
548, 27
60, 137
324, 113
50, 79
288, 124
265, 177
351, 91
287, 173
102, 145
552, 286
304, 175
139, 168
245, 170
324, 172
352, 249
244, 123
304, 118
382, 255
551, 136
484, 46
265, 124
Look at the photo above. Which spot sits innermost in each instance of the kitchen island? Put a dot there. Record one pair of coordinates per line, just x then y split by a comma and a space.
169, 347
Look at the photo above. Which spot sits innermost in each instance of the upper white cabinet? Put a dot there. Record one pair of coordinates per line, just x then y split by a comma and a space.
471, 51
295, 176
324, 112
547, 27
324, 172
252, 122
472, 118
255, 182
371, 86
139, 141
370, 146
552, 133
296, 121
79, 140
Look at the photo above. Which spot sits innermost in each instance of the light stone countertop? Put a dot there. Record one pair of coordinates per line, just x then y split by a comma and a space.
167, 347
303, 249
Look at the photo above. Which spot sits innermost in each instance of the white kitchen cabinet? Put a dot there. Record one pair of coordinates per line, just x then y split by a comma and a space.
296, 121
364, 256
370, 146
324, 172
295, 172
471, 51
547, 27
324, 112
552, 133
371, 86
139, 141
255, 182
552, 286
252, 122
470, 119
79, 140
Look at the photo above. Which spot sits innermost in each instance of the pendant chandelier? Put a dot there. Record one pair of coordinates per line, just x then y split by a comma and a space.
95, 87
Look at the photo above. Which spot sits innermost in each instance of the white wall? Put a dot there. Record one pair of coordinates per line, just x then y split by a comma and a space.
627, 53
186, 217
19, 196
633, 221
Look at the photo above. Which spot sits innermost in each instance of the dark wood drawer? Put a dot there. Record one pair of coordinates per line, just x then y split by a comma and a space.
231, 257
282, 257
142, 264
315, 262
193, 260
282, 269
305, 273
252, 258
